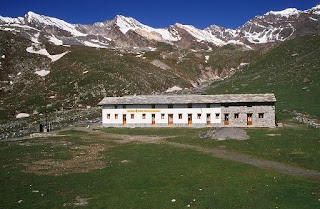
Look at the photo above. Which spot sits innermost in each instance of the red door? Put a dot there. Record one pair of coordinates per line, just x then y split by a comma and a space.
249, 119
226, 119
124, 119
170, 119
153, 116
208, 119
190, 119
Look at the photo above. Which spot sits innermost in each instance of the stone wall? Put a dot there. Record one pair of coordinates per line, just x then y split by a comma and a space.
268, 112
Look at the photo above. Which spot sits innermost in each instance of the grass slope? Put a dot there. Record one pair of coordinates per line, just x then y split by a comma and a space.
290, 70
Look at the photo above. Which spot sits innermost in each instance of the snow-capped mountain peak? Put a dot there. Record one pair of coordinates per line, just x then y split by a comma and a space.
41, 20
128, 32
285, 13
9, 20
128, 23
315, 10
316, 7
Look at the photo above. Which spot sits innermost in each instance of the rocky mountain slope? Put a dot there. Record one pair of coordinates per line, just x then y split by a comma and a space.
271, 27
291, 70
36, 77
128, 32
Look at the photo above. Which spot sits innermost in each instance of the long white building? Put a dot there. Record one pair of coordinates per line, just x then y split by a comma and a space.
235, 110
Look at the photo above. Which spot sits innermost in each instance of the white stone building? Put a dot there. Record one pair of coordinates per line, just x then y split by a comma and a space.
234, 110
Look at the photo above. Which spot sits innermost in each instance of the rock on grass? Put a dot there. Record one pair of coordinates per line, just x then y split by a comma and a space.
225, 134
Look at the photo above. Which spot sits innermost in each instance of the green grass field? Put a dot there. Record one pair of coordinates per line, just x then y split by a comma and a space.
141, 175
296, 146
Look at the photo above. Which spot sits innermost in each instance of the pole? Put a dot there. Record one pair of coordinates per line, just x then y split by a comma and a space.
45, 99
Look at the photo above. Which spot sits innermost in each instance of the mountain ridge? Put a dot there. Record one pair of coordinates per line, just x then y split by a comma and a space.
128, 32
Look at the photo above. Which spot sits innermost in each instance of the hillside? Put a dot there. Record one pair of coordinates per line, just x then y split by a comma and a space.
81, 76
291, 71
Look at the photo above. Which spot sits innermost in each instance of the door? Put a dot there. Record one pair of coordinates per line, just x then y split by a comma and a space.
170, 119
208, 119
190, 119
124, 119
226, 119
249, 119
153, 116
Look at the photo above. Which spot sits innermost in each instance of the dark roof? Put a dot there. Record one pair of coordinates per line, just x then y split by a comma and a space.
188, 99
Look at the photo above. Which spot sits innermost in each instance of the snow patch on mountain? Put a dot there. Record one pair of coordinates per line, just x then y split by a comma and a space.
173, 89
35, 38
55, 40
128, 23
90, 44
207, 57
313, 19
42, 73
44, 52
201, 35
22, 115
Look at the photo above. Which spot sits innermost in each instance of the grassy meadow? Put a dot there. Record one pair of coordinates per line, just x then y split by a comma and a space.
86, 170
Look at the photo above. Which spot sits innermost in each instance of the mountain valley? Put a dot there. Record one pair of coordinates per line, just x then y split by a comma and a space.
49, 65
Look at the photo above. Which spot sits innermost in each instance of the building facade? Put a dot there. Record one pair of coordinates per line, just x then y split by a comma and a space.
228, 110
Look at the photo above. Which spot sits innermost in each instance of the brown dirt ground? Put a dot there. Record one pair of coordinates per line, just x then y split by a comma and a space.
80, 158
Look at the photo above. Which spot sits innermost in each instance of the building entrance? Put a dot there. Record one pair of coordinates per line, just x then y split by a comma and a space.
249, 119
170, 119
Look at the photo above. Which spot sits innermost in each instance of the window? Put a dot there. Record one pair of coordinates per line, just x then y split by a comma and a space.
153, 106
162, 116
115, 116
208, 105
116, 106
180, 116
143, 116
189, 105
170, 106
261, 115
108, 116
199, 116
124, 106
132, 116
217, 115
236, 115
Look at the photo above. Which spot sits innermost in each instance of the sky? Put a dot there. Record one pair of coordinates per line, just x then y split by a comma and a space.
157, 14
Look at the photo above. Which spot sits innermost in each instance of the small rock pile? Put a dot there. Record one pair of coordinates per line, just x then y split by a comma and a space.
225, 134
307, 120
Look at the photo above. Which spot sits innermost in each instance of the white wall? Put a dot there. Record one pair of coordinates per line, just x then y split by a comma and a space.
139, 110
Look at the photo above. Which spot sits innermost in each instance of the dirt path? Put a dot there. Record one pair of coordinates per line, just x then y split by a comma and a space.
247, 159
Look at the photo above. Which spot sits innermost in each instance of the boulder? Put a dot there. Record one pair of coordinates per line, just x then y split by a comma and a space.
225, 134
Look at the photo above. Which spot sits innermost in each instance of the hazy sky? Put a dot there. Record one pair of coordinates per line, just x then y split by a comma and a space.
200, 13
